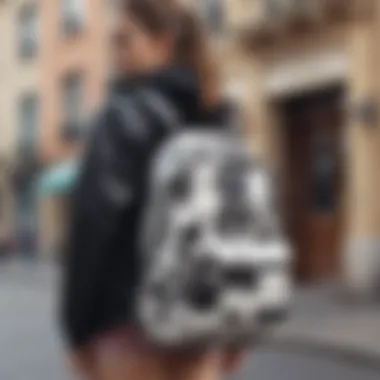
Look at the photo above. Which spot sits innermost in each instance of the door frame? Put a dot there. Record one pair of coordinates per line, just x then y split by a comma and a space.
278, 133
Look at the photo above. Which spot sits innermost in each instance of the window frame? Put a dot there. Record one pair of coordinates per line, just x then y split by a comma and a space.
27, 140
73, 111
214, 15
28, 45
72, 17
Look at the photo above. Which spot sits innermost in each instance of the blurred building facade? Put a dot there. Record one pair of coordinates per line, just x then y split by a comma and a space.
75, 72
307, 76
20, 119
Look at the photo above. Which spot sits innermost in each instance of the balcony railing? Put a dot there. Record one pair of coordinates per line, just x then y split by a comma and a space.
259, 17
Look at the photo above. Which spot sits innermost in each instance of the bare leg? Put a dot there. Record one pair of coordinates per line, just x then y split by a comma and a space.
126, 359
83, 364
133, 365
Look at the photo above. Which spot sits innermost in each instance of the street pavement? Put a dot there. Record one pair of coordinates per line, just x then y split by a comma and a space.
29, 345
30, 348
274, 363
324, 317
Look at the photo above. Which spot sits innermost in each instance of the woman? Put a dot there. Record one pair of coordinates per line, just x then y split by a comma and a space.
160, 48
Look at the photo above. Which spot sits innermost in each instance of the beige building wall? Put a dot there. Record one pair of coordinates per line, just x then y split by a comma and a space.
82, 52
17, 77
351, 55
362, 262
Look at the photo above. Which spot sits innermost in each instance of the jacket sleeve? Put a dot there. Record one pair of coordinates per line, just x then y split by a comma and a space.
108, 188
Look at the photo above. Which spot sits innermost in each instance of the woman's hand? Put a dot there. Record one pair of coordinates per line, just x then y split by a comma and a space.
233, 359
82, 363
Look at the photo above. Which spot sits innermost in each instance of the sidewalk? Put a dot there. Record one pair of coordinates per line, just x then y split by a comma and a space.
322, 320
16, 271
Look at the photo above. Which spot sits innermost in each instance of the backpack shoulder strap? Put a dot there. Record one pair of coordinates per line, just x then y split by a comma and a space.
160, 108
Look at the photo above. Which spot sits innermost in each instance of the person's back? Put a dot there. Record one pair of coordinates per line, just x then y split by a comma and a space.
163, 53
150, 103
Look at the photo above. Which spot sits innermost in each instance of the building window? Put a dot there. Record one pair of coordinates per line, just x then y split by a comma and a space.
72, 16
29, 115
73, 104
213, 13
28, 32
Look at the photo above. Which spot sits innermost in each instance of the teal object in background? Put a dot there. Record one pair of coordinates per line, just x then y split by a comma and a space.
59, 180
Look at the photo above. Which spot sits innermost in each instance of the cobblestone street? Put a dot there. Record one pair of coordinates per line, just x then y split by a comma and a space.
30, 347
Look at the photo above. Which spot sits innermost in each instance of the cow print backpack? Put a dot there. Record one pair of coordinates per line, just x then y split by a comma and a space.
215, 263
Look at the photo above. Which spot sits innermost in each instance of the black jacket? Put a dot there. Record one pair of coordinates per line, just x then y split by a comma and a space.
102, 266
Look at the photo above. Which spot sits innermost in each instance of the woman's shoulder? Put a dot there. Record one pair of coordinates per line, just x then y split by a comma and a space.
138, 116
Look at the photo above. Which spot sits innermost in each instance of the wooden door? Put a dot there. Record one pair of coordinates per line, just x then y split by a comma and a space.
313, 181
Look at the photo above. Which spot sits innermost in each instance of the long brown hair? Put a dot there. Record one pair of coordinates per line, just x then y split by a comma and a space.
192, 46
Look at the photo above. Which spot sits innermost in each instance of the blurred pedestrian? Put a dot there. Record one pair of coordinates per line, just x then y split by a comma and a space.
161, 48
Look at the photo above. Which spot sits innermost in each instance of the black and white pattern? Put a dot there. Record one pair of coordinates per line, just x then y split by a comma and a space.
216, 266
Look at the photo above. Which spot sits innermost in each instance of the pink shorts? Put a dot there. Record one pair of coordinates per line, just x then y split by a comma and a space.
121, 339
127, 338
